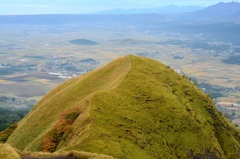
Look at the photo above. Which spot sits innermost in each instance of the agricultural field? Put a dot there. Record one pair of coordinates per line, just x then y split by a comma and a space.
37, 58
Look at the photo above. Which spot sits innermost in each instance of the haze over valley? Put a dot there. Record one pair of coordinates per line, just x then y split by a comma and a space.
39, 52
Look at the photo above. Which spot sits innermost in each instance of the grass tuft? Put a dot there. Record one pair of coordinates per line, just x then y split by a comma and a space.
7, 152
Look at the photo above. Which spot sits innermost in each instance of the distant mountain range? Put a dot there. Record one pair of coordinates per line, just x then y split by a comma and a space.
221, 12
170, 9
218, 12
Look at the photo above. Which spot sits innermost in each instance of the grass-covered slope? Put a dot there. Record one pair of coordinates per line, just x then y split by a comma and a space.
7, 152
74, 93
134, 107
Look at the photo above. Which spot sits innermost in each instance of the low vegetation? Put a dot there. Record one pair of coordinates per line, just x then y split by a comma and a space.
87, 155
62, 130
67, 155
11, 115
7, 152
7, 132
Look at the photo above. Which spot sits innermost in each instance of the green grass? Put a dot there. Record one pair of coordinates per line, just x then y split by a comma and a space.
4, 135
76, 154
134, 107
87, 155
7, 152
72, 93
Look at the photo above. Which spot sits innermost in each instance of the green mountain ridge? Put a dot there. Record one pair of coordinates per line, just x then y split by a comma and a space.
133, 107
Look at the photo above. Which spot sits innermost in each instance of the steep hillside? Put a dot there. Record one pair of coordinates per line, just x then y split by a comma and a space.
73, 93
133, 107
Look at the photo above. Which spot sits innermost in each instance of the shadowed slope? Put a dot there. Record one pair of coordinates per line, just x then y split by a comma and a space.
133, 107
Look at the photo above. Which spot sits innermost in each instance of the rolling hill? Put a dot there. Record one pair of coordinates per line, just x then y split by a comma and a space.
133, 107
83, 42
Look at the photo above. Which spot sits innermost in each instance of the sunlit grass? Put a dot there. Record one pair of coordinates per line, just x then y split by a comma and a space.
7, 152
134, 107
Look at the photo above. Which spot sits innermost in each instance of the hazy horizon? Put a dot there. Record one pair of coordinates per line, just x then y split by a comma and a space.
20, 7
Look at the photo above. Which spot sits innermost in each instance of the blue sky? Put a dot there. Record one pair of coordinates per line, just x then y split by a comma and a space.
89, 6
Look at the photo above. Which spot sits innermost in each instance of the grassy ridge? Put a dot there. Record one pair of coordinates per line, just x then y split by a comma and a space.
31, 130
157, 113
134, 107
